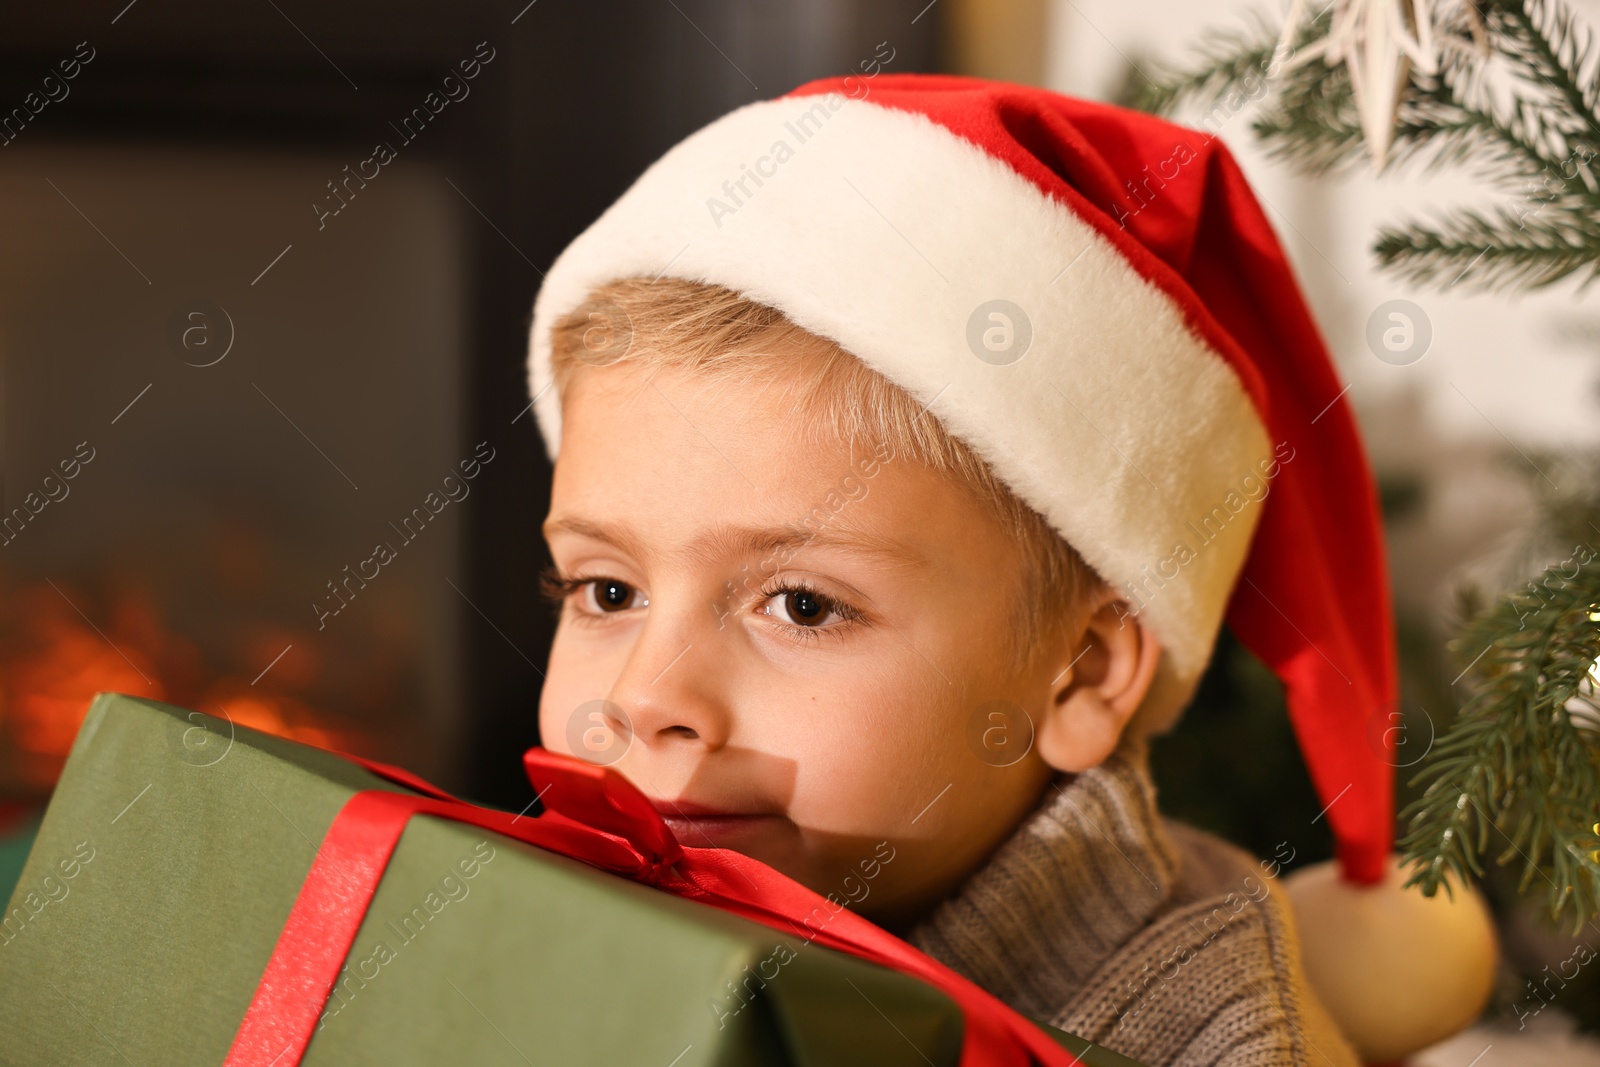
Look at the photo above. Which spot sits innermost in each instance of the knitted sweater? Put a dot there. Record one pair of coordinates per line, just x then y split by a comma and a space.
1161, 942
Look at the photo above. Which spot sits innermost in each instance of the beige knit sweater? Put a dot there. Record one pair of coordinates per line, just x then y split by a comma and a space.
1151, 938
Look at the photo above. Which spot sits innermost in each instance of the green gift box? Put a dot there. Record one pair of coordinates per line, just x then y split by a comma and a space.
175, 846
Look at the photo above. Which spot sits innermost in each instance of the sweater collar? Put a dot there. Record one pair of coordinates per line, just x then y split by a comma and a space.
1082, 873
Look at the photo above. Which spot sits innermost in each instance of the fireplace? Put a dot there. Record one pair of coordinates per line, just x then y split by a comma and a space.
235, 456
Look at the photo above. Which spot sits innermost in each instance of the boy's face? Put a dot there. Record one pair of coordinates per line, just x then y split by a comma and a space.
799, 701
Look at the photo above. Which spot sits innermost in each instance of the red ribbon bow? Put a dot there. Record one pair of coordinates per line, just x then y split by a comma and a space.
596, 815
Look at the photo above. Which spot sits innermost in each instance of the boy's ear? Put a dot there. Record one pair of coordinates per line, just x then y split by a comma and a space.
1105, 665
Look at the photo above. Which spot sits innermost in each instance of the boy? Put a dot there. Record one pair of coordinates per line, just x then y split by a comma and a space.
909, 450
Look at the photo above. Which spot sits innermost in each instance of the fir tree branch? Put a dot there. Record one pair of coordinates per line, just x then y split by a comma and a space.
1542, 39
1501, 250
1312, 123
1521, 763
1225, 59
1452, 114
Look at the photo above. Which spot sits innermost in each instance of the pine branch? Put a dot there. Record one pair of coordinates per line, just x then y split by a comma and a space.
1452, 115
1540, 150
1225, 60
1501, 250
1551, 51
1312, 123
1520, 766
1311, 120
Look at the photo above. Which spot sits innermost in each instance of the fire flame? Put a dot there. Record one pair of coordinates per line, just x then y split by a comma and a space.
59, 646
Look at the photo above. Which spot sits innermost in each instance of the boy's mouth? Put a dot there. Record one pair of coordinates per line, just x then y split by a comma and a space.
700, 826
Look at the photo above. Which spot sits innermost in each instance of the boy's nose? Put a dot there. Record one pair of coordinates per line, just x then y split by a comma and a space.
669, 695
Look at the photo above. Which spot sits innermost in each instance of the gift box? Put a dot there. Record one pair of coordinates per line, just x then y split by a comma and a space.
153, 922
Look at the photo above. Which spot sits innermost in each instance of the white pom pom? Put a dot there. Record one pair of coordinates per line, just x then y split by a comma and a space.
1398, 971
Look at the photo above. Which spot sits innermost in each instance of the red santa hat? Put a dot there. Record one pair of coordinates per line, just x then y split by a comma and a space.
1092, 299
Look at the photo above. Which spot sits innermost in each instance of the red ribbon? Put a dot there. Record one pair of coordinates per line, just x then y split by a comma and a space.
596, 815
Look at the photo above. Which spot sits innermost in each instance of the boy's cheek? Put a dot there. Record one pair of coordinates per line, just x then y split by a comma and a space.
552, 723
582, 670
551, 736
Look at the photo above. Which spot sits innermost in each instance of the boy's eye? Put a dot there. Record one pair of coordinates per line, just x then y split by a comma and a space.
610, 595
802, 607
590, 594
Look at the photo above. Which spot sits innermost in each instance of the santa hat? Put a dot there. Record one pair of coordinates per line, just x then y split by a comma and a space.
1093, 300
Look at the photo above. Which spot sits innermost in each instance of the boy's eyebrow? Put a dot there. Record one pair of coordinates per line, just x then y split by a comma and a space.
745, 539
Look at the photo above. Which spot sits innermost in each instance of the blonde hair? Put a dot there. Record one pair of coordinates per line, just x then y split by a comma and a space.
724, 336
